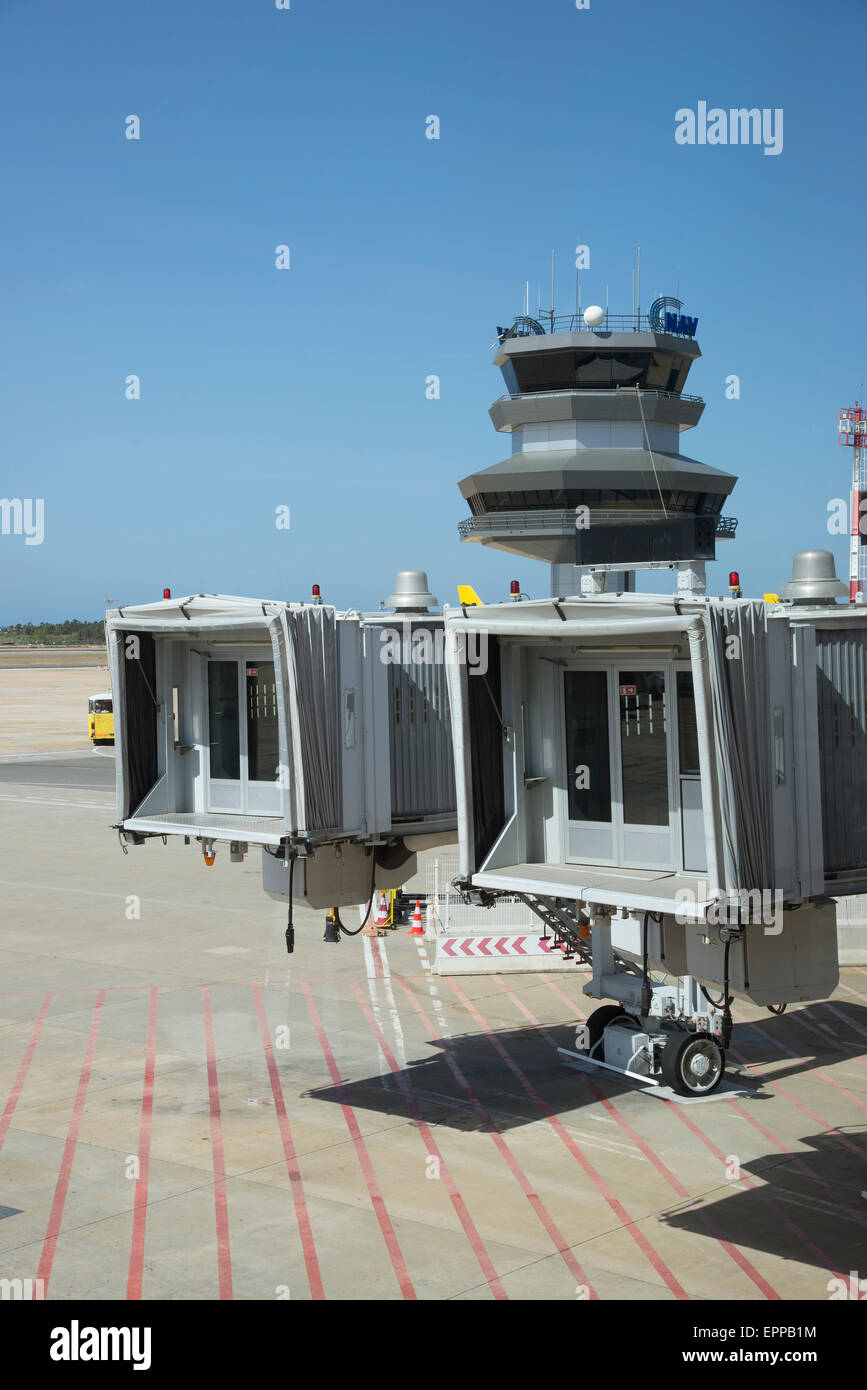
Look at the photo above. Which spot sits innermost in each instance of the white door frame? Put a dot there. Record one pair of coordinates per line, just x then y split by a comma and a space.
617, 827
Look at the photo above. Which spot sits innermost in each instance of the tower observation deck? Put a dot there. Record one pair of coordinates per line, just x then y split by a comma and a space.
596, 478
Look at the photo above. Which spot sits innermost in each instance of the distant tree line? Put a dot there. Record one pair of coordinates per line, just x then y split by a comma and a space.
74, 632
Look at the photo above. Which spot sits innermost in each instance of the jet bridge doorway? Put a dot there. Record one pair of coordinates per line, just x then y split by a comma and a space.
632, 795
242, 734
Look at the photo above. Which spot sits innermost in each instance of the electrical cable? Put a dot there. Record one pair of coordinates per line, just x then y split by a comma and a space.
290, 926
725, 1000
650, 451
727, 1020
336, 914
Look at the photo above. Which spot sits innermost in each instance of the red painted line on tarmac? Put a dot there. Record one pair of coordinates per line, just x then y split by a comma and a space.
619, 1210
193, 984
739, 1258
377, 1200
799, 1235
791, 1226
857, 993
731, 1250
775, 1085
798, 1161
797, 1017
424, 1132
140, 1199
847, 1023
308, 1246
221, 1214
561, 1245
18, 1083
56, 1216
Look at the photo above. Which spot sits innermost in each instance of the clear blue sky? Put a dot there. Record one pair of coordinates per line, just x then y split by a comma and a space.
306, 387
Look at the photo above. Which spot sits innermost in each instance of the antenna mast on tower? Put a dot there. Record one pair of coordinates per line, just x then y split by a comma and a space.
853, 432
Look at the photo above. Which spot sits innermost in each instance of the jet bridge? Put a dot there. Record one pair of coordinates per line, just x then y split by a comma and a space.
275, 724
659, 778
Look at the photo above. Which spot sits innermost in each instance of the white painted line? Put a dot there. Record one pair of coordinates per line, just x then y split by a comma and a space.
400, 1047
24, 757
119, 897
433, 992
384, 1068
43, 801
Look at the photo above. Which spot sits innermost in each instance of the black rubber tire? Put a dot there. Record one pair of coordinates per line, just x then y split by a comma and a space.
679, 1051
599, 1021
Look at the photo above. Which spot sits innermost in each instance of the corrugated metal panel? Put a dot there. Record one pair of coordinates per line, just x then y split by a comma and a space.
841, 658
422, 763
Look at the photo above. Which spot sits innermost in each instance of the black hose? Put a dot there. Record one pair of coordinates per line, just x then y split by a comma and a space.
645, 987
336, 914
776, 1008
725, 1000
290, 928
727, 1020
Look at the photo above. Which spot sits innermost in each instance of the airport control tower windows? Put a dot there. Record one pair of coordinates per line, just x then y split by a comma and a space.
610, 499
595, 370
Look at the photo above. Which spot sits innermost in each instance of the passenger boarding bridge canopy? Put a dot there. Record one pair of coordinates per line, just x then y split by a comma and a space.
664, 660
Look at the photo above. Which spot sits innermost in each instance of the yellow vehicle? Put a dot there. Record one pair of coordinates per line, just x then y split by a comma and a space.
100, 718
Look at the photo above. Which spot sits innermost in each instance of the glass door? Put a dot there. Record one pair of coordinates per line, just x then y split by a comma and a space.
242, 736
262, 791
689, 778
224, 737
645, 778
619, 789
590, 819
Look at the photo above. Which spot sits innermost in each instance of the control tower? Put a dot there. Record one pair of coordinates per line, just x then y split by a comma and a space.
596, 484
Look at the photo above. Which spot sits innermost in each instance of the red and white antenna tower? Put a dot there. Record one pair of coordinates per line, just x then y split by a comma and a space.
853, 432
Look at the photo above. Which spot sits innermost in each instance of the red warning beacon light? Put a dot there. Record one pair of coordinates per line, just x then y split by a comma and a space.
515, 590
167, 593
317, 597
734, 584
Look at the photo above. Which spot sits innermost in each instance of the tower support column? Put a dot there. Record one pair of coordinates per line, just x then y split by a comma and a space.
567, 580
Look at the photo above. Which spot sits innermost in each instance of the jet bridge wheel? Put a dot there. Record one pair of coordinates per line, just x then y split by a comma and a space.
600, 1019
693, 1064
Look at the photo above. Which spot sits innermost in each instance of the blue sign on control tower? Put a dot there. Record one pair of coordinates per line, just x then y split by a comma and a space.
664, 317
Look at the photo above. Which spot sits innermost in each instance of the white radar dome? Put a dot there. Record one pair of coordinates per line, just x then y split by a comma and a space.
593, 316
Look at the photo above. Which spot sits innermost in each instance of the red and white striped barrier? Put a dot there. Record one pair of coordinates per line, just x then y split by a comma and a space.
476, 954
496, 945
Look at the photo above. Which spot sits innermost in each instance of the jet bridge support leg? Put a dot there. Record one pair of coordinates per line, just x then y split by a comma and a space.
661, 1034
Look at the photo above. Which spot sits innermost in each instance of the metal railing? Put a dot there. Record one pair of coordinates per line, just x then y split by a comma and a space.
528, 326
561, 521
625, 392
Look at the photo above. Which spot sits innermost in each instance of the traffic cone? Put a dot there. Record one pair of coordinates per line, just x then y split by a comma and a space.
416, 929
